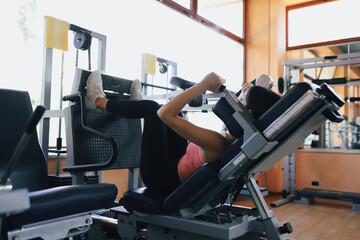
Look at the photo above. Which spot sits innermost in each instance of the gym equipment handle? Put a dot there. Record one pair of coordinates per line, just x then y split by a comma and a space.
333, 115
332, 95
222, 88
39, 111
97, 166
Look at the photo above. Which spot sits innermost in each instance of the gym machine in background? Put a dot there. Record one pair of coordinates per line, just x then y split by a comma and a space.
348, 131
56, 37
166, 85
292, 71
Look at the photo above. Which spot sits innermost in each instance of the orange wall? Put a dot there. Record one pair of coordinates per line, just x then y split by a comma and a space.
265, 38
334, 171
273, 179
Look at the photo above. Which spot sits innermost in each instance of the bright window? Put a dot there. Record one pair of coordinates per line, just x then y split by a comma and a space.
132, 28
184, 3
227, 14
325, 22
223, 16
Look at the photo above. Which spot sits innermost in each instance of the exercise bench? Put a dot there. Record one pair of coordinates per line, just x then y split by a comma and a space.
203, 206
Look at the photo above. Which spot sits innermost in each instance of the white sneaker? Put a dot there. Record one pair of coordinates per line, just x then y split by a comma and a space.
94, 89
135, 90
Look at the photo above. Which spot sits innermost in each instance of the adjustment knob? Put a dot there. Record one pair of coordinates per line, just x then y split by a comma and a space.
286, 228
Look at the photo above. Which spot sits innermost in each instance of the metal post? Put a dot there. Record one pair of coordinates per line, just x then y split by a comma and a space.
286, 78
133, 178
46, 96
101, 50
258, 199
292, 174
144, 76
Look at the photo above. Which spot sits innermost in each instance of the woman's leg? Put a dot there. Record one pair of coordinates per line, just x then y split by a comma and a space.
161, 147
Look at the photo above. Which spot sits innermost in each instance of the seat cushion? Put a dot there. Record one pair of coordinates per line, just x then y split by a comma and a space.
143, 200
147, 201
192, 186
63, 201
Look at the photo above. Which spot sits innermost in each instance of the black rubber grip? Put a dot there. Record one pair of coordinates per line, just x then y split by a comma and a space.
39, 111
330, 57
222, 88
181, 83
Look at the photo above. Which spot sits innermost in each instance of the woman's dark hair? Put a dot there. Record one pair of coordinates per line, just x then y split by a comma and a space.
260, 99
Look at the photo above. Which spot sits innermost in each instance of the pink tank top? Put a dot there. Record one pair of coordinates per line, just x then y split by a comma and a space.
191, 160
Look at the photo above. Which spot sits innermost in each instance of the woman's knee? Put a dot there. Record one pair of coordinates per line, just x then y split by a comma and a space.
150, 106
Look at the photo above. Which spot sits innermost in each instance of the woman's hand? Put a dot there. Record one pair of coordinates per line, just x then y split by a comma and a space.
245, 90
212, 82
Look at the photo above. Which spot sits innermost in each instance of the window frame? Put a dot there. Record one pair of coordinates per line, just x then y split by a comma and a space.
318, 44
192, 13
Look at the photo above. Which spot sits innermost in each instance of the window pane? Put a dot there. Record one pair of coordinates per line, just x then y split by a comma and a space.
227, 14
184, 3
323, 22
137, 31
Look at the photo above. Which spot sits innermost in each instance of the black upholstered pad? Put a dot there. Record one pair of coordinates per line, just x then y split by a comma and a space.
181, 83
197, 182
90, 149
225, 112
284, 103
143, 200
64, 201
15, 115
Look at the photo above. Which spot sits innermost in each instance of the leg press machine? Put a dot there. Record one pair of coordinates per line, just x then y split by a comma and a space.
202, 207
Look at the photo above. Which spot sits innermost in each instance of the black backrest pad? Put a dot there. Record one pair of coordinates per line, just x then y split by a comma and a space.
30, 172
89, 148
225, 111
284, 103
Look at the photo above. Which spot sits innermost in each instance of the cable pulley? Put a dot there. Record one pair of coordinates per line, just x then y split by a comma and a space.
82, 40
163, 68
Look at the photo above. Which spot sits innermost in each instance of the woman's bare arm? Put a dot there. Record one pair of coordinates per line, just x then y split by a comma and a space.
212, 143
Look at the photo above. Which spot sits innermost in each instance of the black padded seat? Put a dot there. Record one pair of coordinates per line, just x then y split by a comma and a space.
30, 171
64, 201
145, 200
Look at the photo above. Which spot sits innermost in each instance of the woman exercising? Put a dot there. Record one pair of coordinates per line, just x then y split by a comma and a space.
173, 148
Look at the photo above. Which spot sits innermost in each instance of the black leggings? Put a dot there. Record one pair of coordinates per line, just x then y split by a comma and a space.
161, 147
